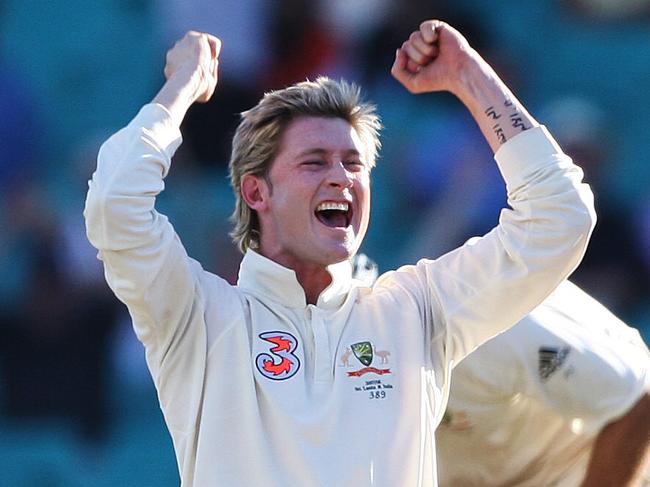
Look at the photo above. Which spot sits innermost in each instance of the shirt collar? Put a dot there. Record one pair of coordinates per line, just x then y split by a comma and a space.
264, 277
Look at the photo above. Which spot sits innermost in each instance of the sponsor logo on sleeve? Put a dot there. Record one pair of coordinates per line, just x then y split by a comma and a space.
550, 360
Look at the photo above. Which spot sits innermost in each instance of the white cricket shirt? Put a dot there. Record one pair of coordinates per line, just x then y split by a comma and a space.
259, 388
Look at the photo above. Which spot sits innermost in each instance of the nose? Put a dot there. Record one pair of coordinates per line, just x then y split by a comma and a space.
340, 176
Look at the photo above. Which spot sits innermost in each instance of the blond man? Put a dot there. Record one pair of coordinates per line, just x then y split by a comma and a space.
251, 378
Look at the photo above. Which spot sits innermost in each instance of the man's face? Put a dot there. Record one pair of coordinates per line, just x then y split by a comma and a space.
318, 202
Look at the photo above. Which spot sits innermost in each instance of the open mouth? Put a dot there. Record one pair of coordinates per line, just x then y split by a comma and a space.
334, 215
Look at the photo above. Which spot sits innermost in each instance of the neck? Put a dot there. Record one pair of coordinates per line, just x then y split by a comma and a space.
313, 277
313, 282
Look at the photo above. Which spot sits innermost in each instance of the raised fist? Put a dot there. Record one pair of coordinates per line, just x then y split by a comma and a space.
196, 56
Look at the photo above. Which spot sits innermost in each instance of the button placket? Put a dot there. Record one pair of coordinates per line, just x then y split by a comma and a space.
322, 355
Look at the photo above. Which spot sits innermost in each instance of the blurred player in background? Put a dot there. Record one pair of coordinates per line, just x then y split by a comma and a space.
561, 399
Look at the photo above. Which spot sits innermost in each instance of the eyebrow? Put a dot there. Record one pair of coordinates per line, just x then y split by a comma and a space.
323, 152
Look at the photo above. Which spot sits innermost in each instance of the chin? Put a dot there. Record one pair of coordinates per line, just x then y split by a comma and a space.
341, 254
334, 250
328, 255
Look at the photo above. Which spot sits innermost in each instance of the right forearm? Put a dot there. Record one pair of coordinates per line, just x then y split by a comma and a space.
179, 93
495, 109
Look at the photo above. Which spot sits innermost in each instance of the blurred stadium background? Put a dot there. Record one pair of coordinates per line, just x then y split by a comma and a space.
77, 406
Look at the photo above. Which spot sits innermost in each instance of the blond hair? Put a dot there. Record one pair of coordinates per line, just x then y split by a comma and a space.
257, 138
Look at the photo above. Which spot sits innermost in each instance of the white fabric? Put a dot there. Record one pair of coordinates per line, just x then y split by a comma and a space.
525, 407
327, 418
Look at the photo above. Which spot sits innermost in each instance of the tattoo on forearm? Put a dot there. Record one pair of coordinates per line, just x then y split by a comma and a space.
496, 128
517, 122
498, 131
492, 113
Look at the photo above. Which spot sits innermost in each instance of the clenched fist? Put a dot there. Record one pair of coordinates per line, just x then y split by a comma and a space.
195, 59
432, 59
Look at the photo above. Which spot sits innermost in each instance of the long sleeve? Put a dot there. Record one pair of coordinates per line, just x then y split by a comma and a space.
145, 263
580, 358
539, 241
490, 283
135, 242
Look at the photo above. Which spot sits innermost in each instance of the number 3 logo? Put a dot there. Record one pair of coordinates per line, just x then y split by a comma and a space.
283, 364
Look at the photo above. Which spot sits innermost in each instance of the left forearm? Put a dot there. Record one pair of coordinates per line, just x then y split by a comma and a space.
495, 109
437, 57
621, 452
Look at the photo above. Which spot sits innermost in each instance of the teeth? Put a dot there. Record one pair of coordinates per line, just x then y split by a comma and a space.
329, 205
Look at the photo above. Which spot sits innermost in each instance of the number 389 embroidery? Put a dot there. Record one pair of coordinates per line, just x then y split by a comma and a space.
281, 363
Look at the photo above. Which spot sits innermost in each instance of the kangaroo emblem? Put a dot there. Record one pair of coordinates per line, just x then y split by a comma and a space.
383, 355
345, 358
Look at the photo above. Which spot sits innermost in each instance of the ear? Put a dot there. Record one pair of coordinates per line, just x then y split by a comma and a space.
255, 191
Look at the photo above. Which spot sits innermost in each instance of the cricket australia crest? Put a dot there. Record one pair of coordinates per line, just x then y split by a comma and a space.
365, 353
